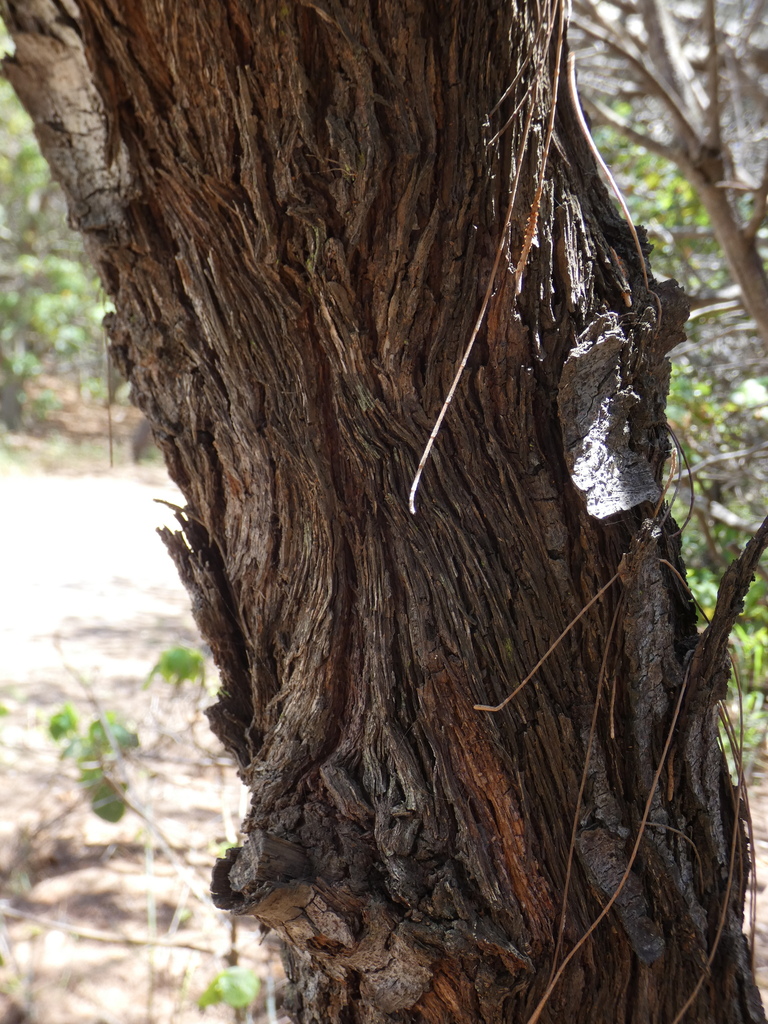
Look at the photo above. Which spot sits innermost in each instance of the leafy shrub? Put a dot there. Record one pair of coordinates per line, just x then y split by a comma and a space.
96, 748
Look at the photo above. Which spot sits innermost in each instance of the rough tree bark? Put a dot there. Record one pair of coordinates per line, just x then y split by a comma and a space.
296, 208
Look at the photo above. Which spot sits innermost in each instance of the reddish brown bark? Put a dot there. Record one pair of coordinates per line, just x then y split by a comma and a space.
296, 208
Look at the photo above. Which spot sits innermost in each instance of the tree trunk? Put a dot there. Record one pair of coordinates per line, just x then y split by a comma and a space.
296, 208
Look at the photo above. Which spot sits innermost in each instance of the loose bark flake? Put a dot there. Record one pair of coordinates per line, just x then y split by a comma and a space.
596, 409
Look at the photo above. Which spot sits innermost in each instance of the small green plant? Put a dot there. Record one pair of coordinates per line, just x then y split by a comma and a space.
749, 646
751, 652
96, 748
754, 722
219, 849
178, 665
235, 986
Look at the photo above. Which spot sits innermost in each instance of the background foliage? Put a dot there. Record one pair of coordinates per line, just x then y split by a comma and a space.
50, 305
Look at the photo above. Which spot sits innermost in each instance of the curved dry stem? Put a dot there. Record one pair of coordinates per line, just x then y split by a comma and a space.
536, 50
543, 658
686, 463
611, 180
533, 217
673, 474
481, 315
681, 578
679, 832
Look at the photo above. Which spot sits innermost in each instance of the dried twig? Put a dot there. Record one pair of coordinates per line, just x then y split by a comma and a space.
96, 934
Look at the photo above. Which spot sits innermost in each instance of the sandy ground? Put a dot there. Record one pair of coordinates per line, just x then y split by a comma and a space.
759, 807
88, 600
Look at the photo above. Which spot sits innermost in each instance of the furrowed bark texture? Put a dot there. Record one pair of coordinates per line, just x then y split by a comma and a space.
296, 207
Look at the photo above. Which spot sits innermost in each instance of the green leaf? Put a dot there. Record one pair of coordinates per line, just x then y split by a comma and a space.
100, 743
77, 749
235, 986
125, 739
63, 723
97, 737
211, 996
179, 664
106, 803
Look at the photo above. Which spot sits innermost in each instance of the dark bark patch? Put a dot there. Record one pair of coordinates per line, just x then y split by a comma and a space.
604, 856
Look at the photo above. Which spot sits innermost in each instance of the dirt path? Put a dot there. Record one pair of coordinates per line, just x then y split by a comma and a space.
88, 601
85, 578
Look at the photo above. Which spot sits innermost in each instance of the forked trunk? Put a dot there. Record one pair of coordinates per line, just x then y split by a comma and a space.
297, 208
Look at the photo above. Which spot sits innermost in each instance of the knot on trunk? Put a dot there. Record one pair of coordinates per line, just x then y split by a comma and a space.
395, 954
242, 876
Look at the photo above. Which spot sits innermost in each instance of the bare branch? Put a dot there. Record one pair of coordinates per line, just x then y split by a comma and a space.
707, 168
758, 209
96, 934
654, 86
728, 457
719, 513
671, 63
709, 658
713, 133
602, 114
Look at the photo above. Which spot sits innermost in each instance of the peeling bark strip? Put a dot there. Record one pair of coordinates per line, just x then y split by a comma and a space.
267, 858
296, 208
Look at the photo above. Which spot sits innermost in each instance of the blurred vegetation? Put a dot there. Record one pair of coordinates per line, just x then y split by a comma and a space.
717, 407
98, 749
236, 986
51, 307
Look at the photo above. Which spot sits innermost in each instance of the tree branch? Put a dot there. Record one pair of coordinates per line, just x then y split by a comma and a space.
639, 61
601, 113
709, 666
717, 512
713, 133
760, 199
666, 55
95, 934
